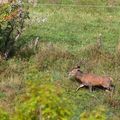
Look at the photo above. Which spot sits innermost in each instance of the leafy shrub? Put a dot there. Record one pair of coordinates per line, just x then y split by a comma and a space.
3, 115
43, 101
12, 19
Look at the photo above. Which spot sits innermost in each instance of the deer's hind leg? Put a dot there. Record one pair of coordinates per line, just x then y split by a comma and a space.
111, 88
90, 88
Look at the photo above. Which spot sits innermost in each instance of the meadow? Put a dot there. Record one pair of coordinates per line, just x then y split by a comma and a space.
69, 35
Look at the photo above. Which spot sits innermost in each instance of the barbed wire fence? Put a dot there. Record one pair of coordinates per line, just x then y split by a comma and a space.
74, 5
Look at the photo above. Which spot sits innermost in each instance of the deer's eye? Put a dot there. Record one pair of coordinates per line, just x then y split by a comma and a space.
78, 66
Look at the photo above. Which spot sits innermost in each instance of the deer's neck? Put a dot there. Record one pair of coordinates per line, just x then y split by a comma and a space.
79, 75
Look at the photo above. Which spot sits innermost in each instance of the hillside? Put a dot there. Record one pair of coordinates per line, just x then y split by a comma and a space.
68, 36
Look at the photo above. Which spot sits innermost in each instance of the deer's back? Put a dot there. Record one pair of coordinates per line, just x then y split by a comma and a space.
92, 79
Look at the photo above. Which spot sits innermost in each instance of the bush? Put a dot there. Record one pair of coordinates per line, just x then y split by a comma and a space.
43, 101
3, 115
12, 19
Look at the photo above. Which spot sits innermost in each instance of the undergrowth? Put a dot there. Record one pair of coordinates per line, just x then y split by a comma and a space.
42, 76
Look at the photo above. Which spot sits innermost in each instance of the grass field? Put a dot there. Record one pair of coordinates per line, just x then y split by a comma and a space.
67, 36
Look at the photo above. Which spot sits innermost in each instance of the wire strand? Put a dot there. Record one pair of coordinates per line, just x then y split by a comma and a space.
74, 5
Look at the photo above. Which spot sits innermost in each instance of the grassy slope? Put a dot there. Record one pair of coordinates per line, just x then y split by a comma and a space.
73, 25
72, 32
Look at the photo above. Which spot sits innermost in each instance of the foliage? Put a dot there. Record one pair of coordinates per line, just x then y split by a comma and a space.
2, 95
43, 101
12, 19
3, 115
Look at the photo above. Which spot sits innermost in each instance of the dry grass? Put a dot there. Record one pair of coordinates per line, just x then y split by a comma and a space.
54, 60
49, 54
118, 47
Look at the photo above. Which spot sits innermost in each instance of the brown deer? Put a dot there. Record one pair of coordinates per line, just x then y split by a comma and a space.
90, 80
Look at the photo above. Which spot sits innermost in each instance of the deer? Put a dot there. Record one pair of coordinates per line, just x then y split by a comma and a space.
91, 80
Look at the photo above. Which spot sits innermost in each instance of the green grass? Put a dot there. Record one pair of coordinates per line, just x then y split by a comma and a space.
2, 95
71, 29
68, 35
74, 25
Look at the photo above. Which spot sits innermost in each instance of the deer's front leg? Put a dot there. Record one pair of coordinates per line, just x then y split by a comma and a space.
82, 85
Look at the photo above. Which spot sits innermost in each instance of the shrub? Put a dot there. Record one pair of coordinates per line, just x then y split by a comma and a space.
3, 115
12, 19
43, 101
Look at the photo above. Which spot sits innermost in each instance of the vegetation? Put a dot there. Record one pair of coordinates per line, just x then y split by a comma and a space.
34, 83
12, 18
